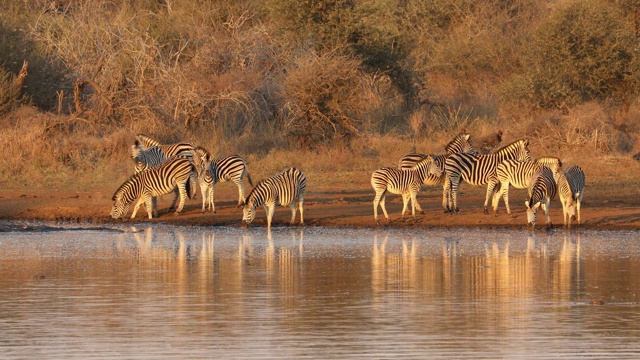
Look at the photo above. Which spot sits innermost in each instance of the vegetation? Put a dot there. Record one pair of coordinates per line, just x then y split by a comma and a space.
359, 82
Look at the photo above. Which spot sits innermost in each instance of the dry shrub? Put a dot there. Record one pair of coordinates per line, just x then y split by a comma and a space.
321, 98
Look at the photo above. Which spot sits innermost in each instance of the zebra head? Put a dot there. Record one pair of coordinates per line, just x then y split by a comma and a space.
428, 165
120, 207
532, 213
461, 144
248, 214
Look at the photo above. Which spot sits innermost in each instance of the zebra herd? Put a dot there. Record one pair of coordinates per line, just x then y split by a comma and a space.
510, 165
161, 169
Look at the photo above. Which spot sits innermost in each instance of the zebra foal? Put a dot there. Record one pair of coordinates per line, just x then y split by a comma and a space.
148, 152
405, 182
172, 175
285, 188
542, 190
570, 190
212, 171
479, 170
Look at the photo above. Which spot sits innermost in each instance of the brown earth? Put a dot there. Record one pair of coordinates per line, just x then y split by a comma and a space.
602, 210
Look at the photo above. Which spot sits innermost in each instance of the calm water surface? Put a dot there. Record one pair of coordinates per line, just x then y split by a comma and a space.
193, 292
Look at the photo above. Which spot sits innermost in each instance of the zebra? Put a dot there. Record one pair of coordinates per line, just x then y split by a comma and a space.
570, 190
286, 188
478, 170
212, 171
405, 182
518, 174
172, 175
460, 144
146, 157
542, 190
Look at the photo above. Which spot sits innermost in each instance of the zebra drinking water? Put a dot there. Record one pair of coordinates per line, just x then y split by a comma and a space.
479, 170
542, 190
518, 174
405, 182
212, 171
571, 189
285, 188
172, 175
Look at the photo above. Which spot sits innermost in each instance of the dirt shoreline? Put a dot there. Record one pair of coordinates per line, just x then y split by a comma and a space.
349, 209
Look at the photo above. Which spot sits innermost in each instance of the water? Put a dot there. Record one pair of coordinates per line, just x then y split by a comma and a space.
190, 292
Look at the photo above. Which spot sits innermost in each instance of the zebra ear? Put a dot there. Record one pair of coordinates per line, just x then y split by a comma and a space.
526, 203
466, 136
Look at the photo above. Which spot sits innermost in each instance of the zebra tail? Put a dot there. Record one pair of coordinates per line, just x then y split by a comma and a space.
249, 178
190, 186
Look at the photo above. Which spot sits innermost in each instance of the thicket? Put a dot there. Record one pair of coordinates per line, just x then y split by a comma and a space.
256, 77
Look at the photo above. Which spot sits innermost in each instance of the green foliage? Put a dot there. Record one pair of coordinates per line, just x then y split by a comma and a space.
585, 51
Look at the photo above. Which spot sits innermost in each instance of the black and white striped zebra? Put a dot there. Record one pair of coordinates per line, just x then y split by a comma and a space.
286, 189
479, 170
518, 174
172, 175
405, 182
459, 144
571, 189
147, 157
542, 190
212, 171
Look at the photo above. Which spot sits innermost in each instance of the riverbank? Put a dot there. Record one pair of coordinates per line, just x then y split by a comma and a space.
602, 210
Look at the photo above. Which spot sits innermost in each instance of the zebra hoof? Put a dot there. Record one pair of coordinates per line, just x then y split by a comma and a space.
176, 213
421, 212
486, 211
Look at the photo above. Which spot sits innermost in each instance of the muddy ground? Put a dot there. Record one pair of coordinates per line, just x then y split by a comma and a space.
329, 208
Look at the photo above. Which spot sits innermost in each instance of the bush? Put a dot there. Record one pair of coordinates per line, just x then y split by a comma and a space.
583, 52
321, 99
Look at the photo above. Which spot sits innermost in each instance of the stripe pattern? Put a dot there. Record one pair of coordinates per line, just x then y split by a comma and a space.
459, 144
285, 188
479, 170
404, 182
542, 190
148, 157
570, 190
518, 174
212, 171
172, 175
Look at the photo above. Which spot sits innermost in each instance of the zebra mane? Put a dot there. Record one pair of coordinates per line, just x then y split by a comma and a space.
521, 143
136, 149
462, 137
147, 141
125, 185
202, 152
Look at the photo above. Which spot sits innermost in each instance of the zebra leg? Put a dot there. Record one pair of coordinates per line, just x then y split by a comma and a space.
492, 187
446, 194
148, 205
293, 213
545, 207
565, 212
204, 190
270, 210
140, 202
241, 197
405, 201
300, 205
154, 206
182, 192
578, 201
454, 195
414, 204
505, 197
376, 201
